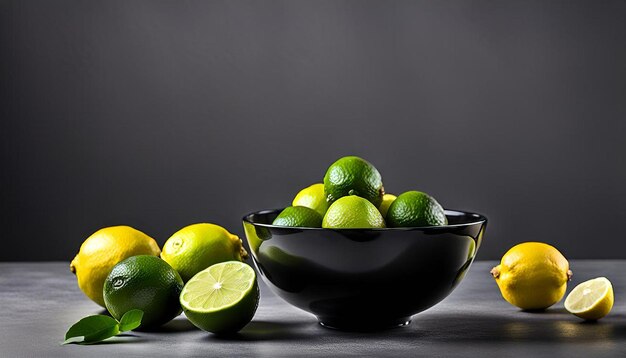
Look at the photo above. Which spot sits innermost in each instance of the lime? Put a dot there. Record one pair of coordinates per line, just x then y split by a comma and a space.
298, 216
384, 206
198, 246
532, 275
312, 197
353, 212
102, 250
222, 298
591, 300
415, 208
353, 176
147, 283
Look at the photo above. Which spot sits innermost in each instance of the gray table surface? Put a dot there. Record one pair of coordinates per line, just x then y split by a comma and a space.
39, 301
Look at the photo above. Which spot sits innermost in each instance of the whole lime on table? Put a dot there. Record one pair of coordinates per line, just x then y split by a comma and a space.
221, 299
353, 176
198, 246
532, 275
298, 216
312, 197
103, 250
147, 283
415, 208
353, 212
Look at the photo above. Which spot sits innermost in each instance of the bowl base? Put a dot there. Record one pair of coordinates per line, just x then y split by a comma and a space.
343, 324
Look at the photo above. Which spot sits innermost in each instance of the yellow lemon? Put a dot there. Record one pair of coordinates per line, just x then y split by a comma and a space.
198, 246
591, 300
103, 250
532, 275
312, 197
384, 206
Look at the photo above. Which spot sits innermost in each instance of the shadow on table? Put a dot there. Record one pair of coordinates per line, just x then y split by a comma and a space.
550, 326
177, 325
268, 331
478, 328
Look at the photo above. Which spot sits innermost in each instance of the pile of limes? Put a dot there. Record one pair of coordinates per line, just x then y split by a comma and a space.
199, 271
352, 196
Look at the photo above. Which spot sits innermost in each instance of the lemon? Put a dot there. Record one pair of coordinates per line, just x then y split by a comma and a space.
353, 212
103, 250
312, 197
198, 246
415, 208
353, 176
222, 298
146, 283
298, 216
532, 275
591, 300
384, 206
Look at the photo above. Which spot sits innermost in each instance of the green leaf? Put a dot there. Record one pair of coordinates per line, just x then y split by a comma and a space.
131, 320
92, 329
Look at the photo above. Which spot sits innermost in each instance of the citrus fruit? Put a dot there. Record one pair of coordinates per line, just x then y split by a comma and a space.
298, 216
146, 283
222, 298
103, 250
353, 212
353, 176
198, 246
384, 206
415, 208
591, 300
312, 197
532, 275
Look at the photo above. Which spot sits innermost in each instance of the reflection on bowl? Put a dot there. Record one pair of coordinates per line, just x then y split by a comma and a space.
364, 279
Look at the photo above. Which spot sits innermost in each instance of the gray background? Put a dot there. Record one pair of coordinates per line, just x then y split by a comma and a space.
161, 114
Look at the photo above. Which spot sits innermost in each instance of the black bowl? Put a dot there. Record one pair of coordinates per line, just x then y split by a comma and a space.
364, 279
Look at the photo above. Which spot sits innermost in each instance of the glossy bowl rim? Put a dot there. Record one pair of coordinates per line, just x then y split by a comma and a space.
480, 220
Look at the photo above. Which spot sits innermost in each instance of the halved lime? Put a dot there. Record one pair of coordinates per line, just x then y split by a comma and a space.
222, 298
591, 300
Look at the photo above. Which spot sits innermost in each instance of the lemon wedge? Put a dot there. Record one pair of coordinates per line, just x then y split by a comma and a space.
591, 300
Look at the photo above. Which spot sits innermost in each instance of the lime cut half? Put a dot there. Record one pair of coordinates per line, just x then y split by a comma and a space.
222, 298
591, 300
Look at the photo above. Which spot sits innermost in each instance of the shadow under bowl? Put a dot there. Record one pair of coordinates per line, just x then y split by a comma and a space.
364, 279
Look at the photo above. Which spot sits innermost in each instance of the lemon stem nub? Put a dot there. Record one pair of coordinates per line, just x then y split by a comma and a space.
495, 272
569, 275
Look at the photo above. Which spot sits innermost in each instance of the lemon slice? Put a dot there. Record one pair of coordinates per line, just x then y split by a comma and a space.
591, 300
222, 298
